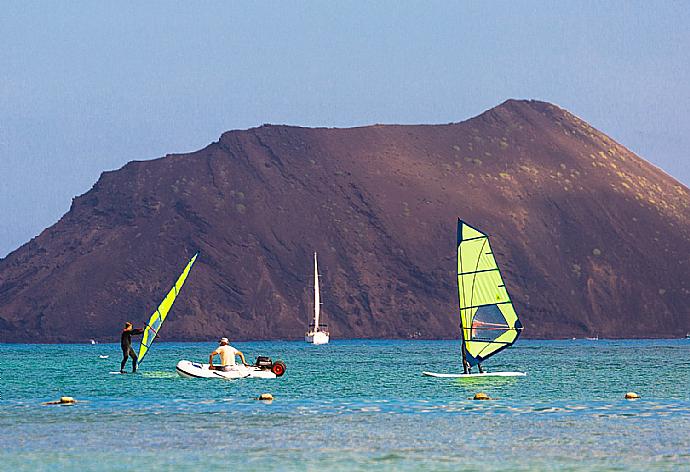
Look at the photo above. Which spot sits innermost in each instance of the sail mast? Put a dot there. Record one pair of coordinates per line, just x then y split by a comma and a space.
463, 348
317, 298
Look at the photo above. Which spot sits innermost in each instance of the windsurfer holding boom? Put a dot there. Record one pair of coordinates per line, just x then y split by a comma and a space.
126, 344
466, 366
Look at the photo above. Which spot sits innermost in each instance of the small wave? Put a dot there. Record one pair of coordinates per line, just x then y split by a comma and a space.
160, 375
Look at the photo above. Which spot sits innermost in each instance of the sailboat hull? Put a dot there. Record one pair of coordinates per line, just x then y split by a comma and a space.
477, 375
318, 337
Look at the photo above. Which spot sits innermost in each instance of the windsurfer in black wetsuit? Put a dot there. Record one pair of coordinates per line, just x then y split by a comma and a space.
468, 368
126, 344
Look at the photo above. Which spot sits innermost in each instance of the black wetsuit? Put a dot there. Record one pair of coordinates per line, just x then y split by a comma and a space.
127, 351
468, 368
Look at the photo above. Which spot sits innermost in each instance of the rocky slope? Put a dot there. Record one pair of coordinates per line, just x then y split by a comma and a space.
592, 239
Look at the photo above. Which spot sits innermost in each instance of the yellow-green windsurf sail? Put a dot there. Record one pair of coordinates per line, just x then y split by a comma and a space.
158, 316
488, 320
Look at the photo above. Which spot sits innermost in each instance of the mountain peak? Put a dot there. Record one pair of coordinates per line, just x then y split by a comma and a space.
514, 110
588, 235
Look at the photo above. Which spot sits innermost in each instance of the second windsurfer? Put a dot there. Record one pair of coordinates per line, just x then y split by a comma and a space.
126, 345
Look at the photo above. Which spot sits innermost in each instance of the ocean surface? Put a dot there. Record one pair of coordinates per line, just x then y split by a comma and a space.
350, 405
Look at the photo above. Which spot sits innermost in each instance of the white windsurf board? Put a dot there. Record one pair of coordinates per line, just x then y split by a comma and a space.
476, 375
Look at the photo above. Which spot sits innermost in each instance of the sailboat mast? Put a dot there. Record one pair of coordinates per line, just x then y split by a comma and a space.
317, 298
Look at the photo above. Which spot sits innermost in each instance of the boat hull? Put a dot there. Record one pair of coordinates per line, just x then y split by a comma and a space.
318, 337
196, 370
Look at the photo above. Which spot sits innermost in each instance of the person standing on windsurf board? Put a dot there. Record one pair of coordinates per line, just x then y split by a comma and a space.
126, 344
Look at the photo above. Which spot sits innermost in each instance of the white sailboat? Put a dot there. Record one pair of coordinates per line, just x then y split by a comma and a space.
318, 333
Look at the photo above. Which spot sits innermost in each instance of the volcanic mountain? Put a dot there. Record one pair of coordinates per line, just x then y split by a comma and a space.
591, 239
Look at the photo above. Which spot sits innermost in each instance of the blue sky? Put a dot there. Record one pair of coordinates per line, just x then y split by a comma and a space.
88, 86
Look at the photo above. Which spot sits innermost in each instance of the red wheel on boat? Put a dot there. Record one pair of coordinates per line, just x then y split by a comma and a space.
278, 368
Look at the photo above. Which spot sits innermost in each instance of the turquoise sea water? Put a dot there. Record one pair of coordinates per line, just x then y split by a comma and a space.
356, 404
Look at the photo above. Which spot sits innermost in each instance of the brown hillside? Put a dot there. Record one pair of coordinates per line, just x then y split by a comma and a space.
592, 239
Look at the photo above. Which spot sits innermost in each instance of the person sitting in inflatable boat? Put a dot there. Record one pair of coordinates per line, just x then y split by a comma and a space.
227, 355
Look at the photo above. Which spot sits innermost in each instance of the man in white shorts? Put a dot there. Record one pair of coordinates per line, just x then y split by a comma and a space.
227, 355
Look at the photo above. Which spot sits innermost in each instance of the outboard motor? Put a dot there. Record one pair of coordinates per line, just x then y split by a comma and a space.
264, 361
